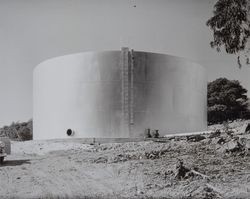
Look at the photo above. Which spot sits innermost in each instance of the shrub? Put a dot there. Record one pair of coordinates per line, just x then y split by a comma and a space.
18, 131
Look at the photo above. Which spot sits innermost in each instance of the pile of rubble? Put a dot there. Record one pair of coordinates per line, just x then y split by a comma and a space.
232, 141
226, 140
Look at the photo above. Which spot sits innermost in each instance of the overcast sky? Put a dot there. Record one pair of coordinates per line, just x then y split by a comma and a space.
32, 31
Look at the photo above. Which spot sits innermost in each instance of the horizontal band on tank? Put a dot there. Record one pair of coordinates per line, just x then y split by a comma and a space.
111, 51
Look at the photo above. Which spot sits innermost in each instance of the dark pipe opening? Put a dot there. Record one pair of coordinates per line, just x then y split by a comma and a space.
69, 132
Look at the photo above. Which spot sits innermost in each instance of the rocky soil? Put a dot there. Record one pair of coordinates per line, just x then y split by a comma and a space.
215, 165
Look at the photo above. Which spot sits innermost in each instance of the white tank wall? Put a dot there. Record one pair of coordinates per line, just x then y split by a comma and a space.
84, 92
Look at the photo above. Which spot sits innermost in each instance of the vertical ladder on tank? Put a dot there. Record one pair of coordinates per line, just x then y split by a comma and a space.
131, 92
127, 73
125, 89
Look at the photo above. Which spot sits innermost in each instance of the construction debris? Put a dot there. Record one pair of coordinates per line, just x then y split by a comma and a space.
155, 134
183, 172
147, 133
155, 154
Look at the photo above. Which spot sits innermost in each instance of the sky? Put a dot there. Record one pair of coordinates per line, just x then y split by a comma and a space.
32, 31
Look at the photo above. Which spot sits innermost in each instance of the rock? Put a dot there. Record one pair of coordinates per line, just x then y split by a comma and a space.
195, 138
214, 140
121, 158
233, 146
245, 143
205, 192
237, 145
245, 128
221, 141
245, 136
215, 134
101, 160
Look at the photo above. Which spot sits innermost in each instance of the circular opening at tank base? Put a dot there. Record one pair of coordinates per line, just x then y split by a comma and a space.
69, 132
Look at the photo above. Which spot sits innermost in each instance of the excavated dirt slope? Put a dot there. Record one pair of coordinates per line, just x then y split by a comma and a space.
217, 166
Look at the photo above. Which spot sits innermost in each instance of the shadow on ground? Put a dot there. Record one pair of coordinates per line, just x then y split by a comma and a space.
14, 162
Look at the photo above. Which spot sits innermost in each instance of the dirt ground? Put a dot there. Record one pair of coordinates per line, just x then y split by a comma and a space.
148, 169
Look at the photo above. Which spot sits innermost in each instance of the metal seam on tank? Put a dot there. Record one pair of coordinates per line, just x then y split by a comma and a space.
125, 88
132, 90
122, 97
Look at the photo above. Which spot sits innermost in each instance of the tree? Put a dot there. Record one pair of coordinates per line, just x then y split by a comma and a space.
226, 100
231, 27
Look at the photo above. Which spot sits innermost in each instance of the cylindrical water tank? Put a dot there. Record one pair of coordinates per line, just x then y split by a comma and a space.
118, 94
